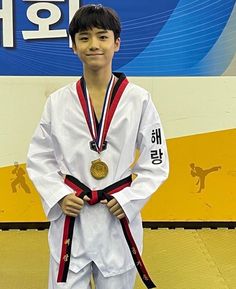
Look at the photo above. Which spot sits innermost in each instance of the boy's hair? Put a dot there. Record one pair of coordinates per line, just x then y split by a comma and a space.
98, 16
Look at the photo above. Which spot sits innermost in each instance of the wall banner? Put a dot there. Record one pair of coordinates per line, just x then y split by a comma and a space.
163, 38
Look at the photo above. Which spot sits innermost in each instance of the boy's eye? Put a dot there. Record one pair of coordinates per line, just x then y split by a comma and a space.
103, 37
83, 38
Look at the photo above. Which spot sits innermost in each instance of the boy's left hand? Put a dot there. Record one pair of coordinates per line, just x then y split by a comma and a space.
115, 208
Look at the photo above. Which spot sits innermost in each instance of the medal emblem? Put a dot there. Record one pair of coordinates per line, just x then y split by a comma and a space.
99, 169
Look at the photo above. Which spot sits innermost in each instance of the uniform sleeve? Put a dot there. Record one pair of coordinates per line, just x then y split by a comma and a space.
152, 167
42, 167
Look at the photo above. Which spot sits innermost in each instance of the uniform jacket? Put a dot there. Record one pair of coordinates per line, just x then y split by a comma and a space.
61, 144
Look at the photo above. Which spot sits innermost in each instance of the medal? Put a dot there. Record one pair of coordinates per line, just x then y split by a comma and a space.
99, 169
98, 131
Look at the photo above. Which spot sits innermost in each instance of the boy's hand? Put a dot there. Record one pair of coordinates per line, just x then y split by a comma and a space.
72, 205
115, 208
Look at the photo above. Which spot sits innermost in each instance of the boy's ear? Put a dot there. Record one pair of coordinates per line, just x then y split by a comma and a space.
74, 48
117, 44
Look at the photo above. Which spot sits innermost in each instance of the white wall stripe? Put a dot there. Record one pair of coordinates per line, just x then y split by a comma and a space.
187, 106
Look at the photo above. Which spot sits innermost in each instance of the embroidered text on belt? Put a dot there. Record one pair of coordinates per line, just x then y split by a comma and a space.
95, 197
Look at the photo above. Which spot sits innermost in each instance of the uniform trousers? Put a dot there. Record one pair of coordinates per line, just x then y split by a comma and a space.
81, 280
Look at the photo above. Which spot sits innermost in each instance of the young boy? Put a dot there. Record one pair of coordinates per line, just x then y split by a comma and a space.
80, 162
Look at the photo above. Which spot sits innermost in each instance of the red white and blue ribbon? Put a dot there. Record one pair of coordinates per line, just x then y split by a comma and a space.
113, 94
97, 132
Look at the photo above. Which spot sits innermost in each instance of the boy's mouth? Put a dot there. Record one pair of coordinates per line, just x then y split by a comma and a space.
94, 54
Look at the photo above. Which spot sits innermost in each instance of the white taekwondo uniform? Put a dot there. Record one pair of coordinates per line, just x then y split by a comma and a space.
61, 143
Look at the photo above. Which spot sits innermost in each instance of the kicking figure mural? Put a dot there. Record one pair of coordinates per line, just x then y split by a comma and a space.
201, 174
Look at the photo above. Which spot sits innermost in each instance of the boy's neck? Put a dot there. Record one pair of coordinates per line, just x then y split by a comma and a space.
97, 79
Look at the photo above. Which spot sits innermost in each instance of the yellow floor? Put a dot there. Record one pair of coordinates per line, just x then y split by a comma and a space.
176, 259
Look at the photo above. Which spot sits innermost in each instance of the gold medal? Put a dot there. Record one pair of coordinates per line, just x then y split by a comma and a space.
99, 169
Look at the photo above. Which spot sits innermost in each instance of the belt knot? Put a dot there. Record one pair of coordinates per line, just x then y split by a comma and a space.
95, 196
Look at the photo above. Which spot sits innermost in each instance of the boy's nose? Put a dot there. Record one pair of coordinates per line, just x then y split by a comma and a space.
94, 44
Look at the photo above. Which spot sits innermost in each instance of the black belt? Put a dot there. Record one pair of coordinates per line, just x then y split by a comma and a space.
95, 197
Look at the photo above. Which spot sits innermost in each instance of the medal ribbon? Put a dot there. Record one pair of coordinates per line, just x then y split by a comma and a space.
99, 132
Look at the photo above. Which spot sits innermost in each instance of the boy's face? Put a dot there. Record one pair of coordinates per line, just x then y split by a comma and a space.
96, 47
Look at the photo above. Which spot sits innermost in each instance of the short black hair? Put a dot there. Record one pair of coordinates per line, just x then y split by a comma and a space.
89, 16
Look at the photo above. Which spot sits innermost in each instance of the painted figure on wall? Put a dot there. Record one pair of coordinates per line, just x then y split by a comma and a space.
201, 174
19, 180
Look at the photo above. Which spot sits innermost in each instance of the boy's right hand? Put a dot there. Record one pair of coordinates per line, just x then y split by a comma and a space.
71, 205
